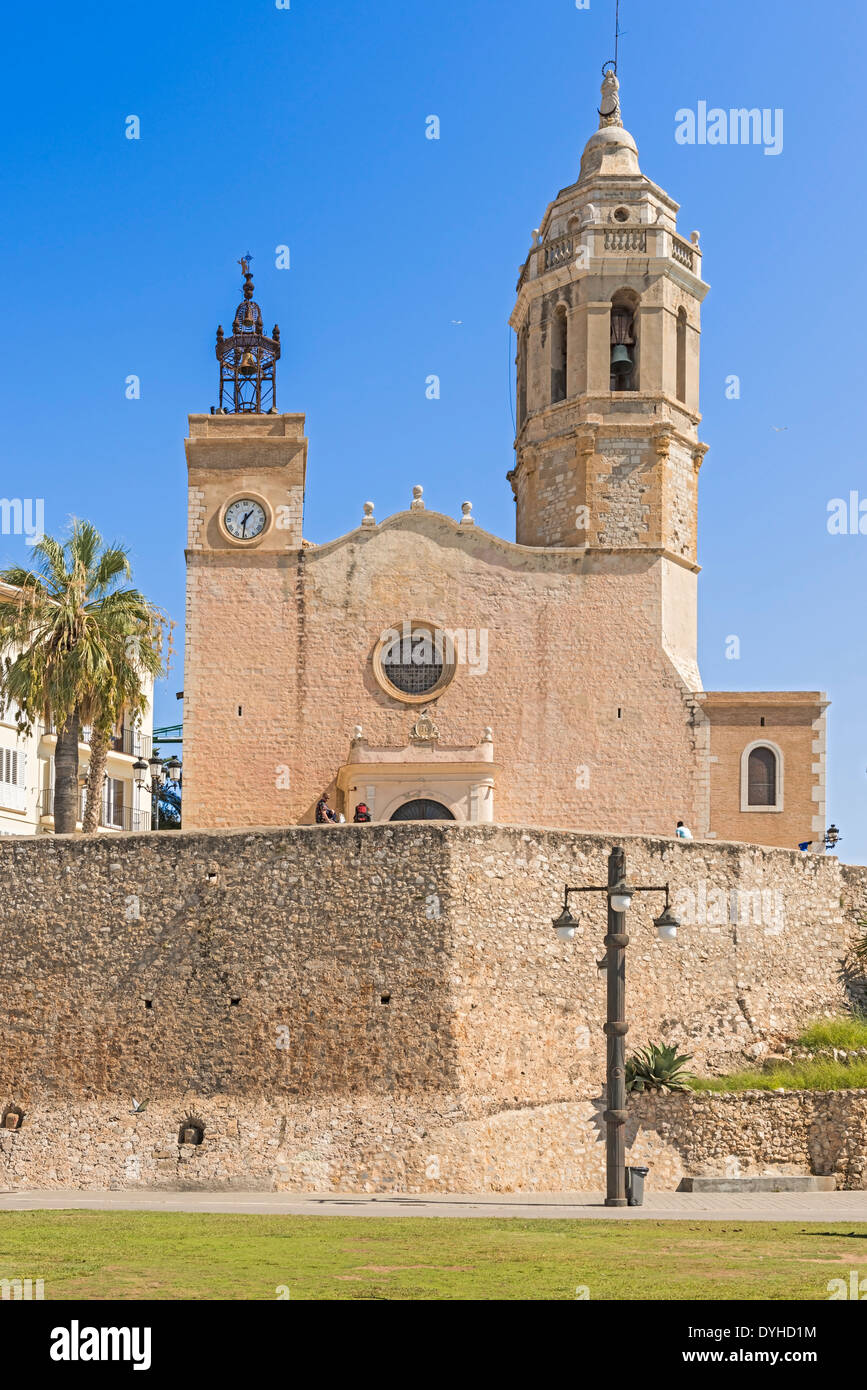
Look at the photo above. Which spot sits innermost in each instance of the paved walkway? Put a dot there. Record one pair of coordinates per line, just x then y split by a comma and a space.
658, 1206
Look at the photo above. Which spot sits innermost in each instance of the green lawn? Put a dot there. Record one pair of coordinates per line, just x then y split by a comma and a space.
131, 1255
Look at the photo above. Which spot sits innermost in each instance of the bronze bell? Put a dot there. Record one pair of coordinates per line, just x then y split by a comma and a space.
248, 364
621, 335
621, 362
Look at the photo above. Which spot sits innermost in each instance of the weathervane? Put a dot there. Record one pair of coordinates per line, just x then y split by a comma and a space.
609, 111
247, 359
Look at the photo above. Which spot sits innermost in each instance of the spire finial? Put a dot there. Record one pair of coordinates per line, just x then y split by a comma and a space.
248, 287
248, 357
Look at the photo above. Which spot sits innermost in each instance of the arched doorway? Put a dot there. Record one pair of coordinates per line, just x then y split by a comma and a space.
422, 810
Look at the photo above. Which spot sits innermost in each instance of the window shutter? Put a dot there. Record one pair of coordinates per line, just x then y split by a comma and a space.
12, 778
762, 778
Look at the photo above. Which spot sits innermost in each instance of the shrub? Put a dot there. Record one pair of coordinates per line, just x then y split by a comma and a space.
655, 1068
849, 1032
801, 1076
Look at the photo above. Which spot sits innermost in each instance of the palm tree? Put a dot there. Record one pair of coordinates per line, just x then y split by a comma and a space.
79, 649
124, 696
101, 731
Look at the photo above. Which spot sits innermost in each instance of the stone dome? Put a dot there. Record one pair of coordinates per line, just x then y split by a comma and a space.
610, 149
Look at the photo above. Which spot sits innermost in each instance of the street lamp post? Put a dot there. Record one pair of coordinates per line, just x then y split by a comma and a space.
159, 773
619, 894
615, 1030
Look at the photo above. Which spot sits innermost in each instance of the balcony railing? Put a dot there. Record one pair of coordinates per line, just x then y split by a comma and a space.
571, 248
559, 251
130, 741
625, 239
684, 253
111, 817
133, 742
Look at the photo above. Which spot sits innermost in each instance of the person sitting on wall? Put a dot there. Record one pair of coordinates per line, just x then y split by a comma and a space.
324, 813
683, 832
361, 813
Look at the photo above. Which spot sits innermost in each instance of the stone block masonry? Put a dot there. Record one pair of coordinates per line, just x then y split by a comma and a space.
371, 1008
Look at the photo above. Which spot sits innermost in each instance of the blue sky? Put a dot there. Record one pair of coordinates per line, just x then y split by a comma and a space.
305, 127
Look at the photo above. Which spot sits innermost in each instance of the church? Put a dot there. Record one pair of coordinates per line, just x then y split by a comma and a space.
433, 671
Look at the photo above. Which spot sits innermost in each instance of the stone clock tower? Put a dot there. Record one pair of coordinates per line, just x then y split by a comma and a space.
246, 491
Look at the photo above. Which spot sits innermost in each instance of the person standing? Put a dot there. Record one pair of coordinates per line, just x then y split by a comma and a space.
683, 831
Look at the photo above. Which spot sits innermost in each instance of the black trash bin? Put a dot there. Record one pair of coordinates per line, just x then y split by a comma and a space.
635, 1186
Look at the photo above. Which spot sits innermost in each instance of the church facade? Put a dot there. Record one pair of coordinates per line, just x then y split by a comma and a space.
431, 670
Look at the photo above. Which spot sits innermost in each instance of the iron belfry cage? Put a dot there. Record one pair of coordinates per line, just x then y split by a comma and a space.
248, 358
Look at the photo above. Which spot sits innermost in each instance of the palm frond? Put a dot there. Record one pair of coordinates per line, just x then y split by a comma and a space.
80, 645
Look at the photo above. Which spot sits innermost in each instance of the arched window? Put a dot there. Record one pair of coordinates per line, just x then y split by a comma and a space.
761, 778
559, 354
422, 810
681, 354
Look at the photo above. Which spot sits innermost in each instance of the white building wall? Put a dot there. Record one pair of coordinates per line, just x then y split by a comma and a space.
27, 777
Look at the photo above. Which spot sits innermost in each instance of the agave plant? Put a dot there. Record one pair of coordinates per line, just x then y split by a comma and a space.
654, 1068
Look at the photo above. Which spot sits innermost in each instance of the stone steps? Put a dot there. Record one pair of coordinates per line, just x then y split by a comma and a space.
778, 1182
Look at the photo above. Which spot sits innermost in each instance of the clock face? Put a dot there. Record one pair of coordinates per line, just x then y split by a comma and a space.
245, 519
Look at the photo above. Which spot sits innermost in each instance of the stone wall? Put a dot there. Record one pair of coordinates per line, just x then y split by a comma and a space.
436, 1145
752, 1133
376, 1006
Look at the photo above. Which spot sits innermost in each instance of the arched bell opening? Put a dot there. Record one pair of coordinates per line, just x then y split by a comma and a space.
680, 389
624, 340
559, 353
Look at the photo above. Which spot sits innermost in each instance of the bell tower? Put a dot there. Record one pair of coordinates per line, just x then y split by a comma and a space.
607, 320
246, 466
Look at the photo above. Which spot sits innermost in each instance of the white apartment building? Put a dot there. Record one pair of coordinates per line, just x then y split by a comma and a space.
27, 776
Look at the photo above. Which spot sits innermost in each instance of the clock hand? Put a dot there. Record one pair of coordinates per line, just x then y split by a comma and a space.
246, 519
